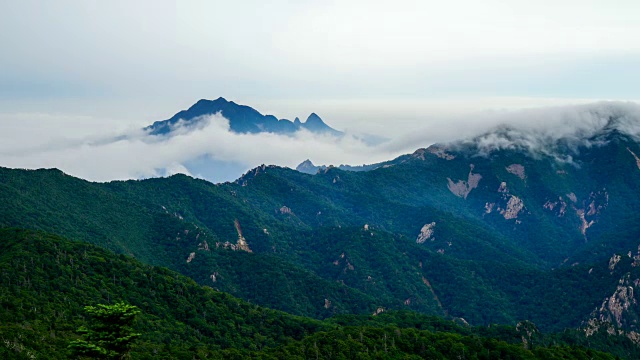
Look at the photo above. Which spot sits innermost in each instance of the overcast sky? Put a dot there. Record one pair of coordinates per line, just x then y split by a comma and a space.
79, 69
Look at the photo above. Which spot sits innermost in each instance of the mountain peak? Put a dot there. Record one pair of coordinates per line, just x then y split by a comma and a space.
308, 167
314, 118
315, 124
242, 119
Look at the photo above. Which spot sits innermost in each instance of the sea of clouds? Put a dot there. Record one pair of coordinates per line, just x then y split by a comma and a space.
95, 150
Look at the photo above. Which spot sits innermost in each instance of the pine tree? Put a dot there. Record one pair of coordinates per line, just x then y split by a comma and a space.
109, 334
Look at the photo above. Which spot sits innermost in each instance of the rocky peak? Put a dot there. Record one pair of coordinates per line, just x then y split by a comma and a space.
308, 167
314, 118
253, 173
242, 119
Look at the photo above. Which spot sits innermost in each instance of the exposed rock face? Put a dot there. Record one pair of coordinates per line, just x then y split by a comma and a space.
584, 225
425, 233
613, 308
440, 152
435, 297
591, 208
527, 331
214, 277
378, 311
488, 207
636, 258
514, 206
327, 303
614, 261
586, 210
634, 336
348, 265
285, 210
503, 188
242, 242
463, 188
612, 315
517, 170
251, 174
203, 246
366, 227
191, 256
419, 154
560, 204
635, 157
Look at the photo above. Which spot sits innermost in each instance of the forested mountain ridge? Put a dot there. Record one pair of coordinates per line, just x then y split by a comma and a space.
46, 280
490, 237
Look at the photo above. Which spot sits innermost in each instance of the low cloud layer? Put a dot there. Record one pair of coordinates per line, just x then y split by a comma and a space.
99, 151
559, 131
135, 154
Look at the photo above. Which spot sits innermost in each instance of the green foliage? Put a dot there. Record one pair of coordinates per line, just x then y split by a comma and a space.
45, 281
398, 343
109, 334
318, 260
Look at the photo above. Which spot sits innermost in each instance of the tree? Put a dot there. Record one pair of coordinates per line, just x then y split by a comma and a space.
109, 334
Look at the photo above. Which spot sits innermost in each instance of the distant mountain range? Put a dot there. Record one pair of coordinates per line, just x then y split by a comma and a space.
308, 167
242, 119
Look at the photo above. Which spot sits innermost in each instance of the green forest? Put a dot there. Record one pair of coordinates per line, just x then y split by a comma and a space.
47, 281
282, 264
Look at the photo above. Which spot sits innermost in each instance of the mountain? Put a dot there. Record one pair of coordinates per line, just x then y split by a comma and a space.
47, 280
308, 167
488, 230
242, 119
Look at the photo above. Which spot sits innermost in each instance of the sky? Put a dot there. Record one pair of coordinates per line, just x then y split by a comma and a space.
76, 73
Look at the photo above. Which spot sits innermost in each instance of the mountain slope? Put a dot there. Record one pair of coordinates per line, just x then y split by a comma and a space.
46, 280
488, 236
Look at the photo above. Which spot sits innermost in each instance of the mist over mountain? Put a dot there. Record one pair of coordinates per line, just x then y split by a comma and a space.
206, 146
320, 180
557, 132
562, 129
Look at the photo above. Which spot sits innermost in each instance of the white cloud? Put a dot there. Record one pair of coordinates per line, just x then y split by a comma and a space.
559, 131
135, 154
83, 148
